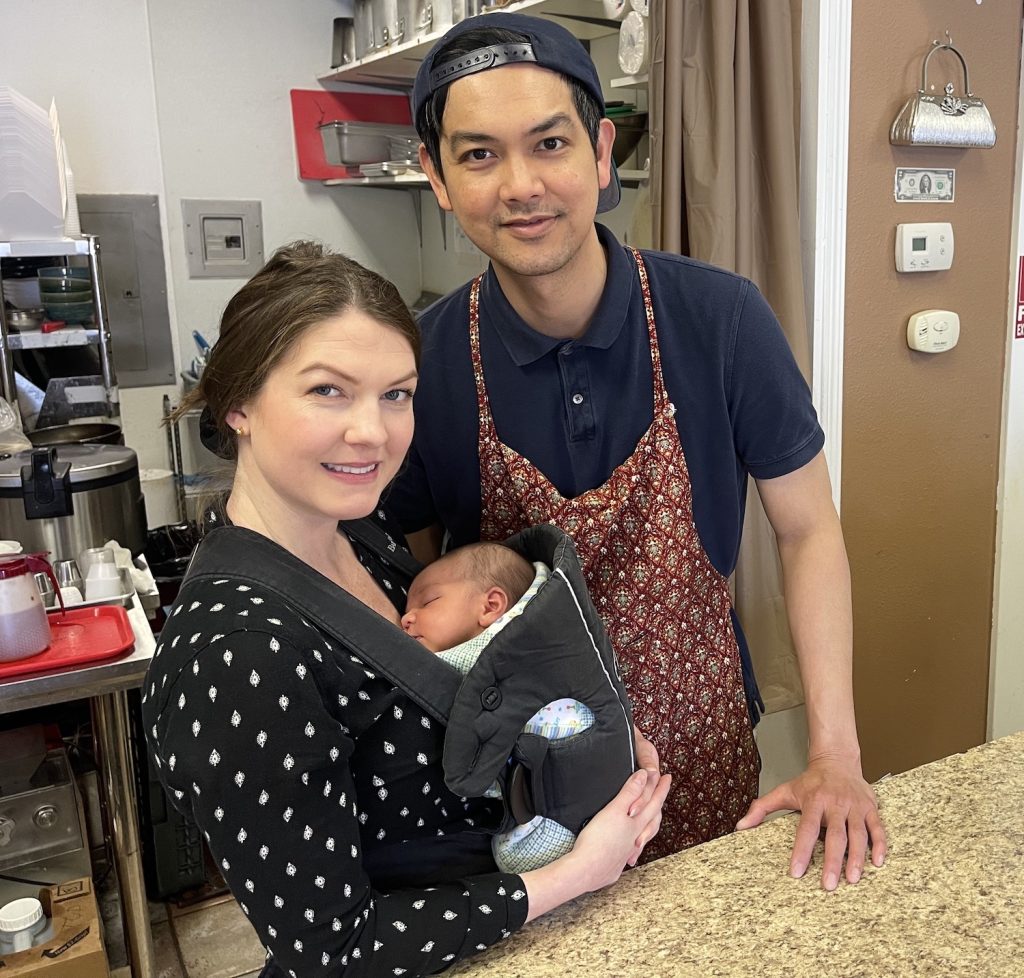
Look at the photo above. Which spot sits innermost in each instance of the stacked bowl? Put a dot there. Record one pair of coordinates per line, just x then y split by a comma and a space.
66, 293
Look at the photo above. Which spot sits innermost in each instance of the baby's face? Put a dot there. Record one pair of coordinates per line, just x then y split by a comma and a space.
443, 608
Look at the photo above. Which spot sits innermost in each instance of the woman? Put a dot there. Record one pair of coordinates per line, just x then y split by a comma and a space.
318, 784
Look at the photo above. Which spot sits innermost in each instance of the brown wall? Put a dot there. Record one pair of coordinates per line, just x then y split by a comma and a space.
921, 431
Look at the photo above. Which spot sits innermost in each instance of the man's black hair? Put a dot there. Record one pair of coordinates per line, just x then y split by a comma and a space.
429, 118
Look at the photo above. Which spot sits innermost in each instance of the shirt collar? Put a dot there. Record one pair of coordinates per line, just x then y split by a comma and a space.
525, 345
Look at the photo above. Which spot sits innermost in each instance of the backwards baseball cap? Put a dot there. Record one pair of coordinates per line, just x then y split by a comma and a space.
548, 45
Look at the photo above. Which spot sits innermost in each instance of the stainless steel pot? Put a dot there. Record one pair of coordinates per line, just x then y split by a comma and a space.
388, 26
362, 24
417, 17
64, 499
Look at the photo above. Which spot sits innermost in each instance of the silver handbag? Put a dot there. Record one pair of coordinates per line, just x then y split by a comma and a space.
946, 120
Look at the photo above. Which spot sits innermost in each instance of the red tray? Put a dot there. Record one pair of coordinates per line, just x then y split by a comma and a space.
79, 637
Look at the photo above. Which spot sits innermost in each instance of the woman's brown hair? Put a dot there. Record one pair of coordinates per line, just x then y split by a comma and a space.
301, 285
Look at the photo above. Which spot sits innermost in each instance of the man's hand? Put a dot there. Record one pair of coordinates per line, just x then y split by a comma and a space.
831, 795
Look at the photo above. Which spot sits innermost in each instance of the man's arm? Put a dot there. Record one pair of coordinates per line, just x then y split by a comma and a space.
425, 544
831, 792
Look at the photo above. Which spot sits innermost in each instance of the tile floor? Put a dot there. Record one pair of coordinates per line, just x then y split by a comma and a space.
211, 939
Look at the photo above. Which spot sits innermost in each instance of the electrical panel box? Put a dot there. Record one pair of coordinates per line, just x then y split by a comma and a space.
223, 238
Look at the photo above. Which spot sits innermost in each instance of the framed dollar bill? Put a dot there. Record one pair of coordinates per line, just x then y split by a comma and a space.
914, 184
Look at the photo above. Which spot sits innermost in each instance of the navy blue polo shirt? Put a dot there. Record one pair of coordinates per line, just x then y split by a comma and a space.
577, 408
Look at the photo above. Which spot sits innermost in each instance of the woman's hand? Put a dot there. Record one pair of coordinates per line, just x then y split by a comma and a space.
616, 835
612, 839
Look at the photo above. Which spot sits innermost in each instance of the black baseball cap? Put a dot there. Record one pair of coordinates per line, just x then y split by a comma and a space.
549, 45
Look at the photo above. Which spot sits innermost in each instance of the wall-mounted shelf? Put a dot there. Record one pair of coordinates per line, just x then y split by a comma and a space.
395, 67
630, 81
409, 181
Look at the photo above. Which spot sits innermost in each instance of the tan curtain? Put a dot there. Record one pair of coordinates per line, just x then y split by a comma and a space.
725, 189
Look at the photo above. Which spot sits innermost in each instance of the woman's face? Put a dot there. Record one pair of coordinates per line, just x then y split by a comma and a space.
333, 422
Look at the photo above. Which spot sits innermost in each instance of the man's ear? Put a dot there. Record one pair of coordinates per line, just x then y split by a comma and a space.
494, 605
435, 178
603, 151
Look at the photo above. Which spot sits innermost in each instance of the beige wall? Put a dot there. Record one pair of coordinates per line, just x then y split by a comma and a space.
921, 433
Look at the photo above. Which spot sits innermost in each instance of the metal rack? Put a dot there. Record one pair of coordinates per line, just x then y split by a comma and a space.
89, 246
190, 497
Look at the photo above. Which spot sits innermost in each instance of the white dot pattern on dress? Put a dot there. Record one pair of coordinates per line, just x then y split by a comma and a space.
332, 729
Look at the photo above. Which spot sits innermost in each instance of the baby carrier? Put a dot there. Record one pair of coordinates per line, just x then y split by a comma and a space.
556, 648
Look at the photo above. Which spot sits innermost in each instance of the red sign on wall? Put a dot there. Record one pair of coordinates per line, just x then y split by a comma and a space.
1018, 328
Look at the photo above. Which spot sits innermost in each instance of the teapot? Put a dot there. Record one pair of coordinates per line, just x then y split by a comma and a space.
24, 629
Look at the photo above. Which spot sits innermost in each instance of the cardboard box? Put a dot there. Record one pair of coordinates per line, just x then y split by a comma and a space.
76, 950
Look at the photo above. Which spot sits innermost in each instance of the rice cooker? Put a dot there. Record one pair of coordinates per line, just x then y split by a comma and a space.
63, 499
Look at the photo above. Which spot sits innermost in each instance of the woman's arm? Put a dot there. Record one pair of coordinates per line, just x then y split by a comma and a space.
245, 735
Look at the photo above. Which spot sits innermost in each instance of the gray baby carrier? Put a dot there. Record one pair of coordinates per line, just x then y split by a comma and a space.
556, 648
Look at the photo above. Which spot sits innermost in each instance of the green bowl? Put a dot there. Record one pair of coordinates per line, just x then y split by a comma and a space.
56, 287
64, 271
65, 299
69, 312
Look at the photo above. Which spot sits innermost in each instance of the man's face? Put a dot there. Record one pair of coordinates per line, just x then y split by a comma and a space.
520, 173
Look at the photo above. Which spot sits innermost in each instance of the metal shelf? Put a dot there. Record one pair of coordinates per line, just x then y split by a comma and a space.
43, 249
88, 246
395, 67
414, 180
68, 336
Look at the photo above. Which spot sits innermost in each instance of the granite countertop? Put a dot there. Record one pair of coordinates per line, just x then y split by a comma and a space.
949, 900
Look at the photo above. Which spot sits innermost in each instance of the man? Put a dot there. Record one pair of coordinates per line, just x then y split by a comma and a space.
626, 397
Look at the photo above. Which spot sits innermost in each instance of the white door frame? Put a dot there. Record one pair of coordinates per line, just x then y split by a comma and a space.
824, 162
1006, 670
824, 150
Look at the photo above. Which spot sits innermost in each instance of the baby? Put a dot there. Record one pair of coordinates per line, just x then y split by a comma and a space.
455, 606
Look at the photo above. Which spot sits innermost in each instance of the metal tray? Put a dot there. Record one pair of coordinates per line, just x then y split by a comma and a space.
390, 168
347, 142
123, 600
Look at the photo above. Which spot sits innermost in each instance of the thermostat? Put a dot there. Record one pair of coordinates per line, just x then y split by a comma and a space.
933, 331
924, 247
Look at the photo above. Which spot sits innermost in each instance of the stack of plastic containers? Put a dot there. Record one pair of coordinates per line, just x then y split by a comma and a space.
31, 202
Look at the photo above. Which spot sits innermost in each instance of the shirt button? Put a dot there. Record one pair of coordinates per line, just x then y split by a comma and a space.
577, 399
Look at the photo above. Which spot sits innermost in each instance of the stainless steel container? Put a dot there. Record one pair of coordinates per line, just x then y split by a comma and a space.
362, 25
432, 16
349, 143
63, 499
415, 17
388, 26
343, 49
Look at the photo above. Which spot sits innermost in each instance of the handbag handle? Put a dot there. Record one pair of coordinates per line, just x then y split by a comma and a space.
936, 46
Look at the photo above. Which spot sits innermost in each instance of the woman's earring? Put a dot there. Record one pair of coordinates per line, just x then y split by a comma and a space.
239, 432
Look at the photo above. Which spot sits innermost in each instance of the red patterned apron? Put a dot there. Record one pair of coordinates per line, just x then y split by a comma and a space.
665, 606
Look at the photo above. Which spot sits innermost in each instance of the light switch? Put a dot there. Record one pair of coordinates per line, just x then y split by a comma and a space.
223, 238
